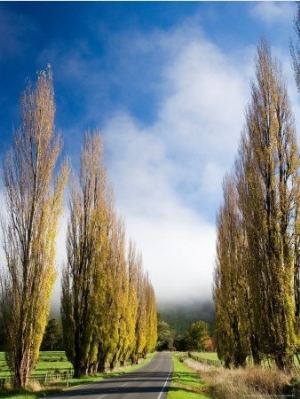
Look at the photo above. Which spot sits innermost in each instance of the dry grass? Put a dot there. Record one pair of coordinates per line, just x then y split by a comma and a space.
33, 386
256, 382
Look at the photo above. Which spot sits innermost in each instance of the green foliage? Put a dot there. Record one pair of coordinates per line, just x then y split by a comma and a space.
196, 335
164, 334
53, 339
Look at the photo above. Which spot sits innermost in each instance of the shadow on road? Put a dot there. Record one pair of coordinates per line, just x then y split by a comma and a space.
145, 382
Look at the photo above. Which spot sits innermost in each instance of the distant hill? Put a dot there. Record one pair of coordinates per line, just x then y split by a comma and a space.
180, 315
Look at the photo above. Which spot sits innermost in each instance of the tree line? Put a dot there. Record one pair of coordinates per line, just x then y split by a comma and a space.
108, 307
195, 338
257, 271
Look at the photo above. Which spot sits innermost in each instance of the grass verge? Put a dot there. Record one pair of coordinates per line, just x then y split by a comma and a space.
186, 383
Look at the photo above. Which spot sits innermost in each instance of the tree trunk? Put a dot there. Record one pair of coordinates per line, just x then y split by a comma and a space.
20, 378
93, 367
80, 369
254, 350
112, 365
227, 362
284, 362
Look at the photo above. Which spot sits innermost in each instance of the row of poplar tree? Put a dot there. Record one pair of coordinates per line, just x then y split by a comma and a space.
108, 307
257, 271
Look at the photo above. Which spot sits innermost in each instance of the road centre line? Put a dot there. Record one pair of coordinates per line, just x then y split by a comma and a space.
162, 391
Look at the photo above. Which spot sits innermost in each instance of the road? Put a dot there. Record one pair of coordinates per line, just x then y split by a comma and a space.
149, 382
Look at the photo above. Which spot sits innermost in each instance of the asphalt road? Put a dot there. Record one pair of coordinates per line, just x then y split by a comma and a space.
149, 382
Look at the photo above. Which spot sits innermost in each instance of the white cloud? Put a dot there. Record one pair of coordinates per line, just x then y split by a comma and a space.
178, 253
272, 12
160, 169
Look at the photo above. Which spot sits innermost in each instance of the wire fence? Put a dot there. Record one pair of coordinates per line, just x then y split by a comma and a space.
210, 362
44, 379
267, 362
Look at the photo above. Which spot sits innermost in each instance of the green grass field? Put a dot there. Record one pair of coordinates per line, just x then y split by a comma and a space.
49, 362
207, 355
185, 383
214, 357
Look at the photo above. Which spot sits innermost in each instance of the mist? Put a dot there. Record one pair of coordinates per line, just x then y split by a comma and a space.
180, 314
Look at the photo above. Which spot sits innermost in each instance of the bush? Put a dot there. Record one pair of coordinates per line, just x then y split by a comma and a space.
6, 386
33, 386
270, 381
252, 381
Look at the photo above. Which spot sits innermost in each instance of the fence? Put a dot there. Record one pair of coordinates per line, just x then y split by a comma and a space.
267, 362
44, 379
211, 362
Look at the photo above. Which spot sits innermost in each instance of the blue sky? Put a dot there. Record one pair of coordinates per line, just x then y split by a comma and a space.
167, 84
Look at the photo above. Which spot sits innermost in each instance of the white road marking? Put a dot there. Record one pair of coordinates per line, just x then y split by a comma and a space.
102, 396
162, 391
124, 385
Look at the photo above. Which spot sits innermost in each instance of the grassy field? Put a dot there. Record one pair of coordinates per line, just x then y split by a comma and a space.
207, 355
49, 362
212, 356
185, 383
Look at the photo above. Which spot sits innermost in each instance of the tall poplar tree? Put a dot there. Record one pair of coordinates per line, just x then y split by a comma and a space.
29, 233
268, 170
133, 259
146, 322
152, 319
296, 65
232, 324
87, 248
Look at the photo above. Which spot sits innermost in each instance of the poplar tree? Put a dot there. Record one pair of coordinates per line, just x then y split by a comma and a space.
152, 319
116, 306
133, 260
141, 321
269, 164
87, 248
295, 51
146, 322
232, 324
296, 64
33, 204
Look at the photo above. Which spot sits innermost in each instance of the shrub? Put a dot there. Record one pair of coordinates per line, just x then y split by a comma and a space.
252, 381
6, 386
33, 386
270, 381
183, 357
